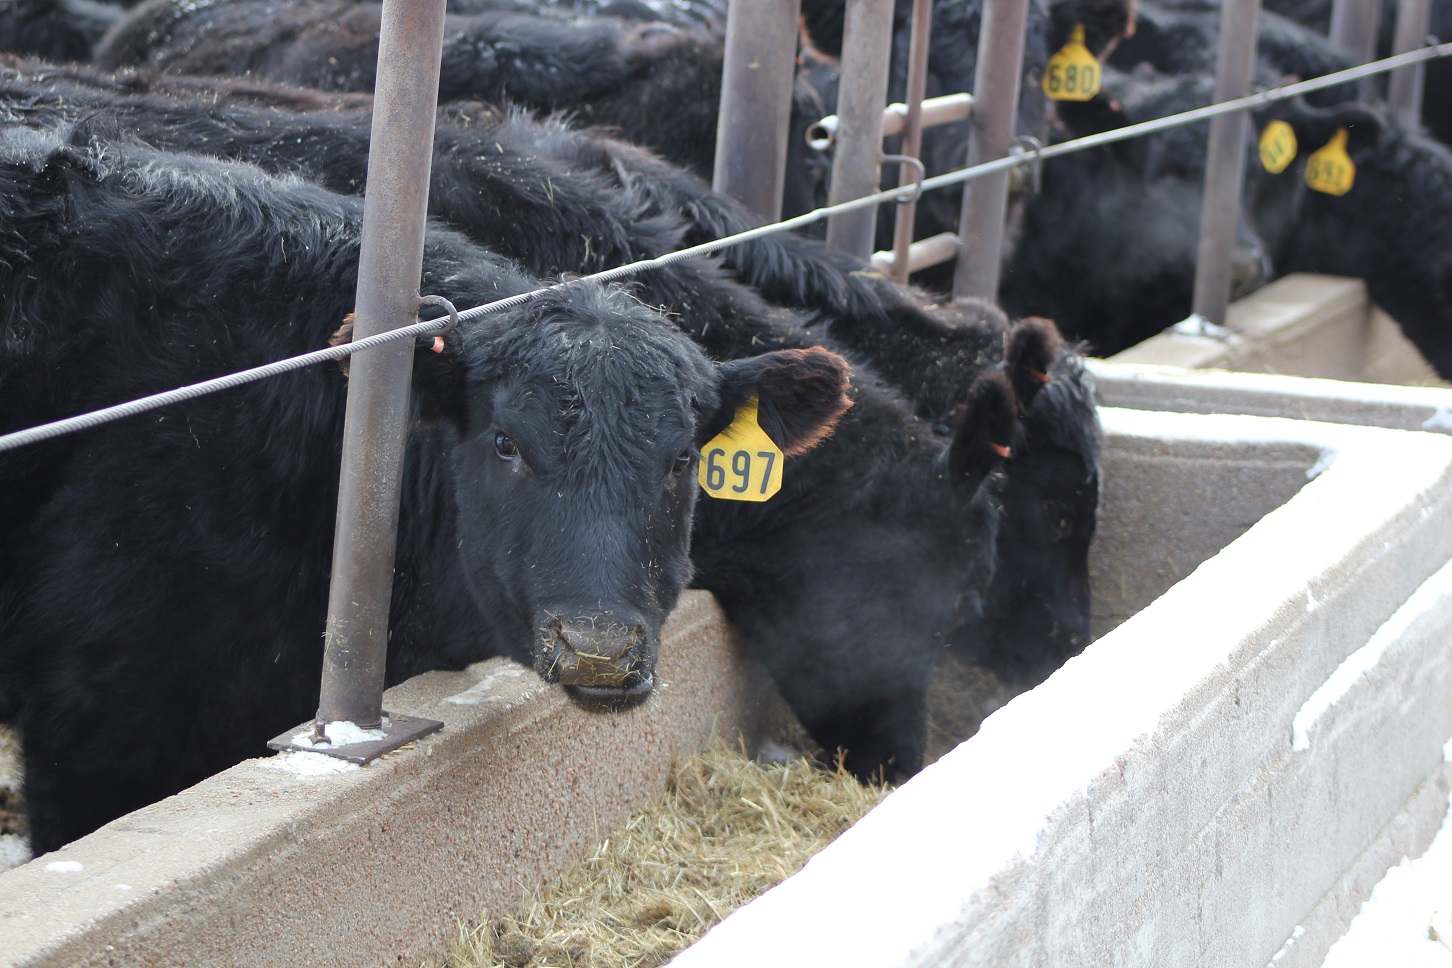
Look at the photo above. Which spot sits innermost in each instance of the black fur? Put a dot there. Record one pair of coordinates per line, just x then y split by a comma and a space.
167, 574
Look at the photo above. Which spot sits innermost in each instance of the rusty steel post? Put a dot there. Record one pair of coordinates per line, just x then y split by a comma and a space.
985, 200
1354, 26
856, 165
756, 103
389, 267
1225, 161
1404, 92
912, 136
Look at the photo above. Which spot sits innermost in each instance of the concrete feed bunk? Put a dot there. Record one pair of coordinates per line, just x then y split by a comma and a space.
1186, 791
1143, 806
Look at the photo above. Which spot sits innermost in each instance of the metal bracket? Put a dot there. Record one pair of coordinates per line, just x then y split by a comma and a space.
1198, 326
1026, 178
397, 730
919, 169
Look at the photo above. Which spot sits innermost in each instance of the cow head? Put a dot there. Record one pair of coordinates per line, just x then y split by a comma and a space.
578, 420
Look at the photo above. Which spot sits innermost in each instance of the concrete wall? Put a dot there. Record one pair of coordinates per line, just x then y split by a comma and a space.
1185, 792
262, 865
1302, 325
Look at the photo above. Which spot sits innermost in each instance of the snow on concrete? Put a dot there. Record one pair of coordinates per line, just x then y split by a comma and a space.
1441, 420
484, 691
339, 734
301, 763
1361, 662
1407, 921
65, 866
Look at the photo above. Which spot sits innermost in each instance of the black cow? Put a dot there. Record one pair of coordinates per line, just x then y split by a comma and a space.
1391, 229
56, 30
166, 576
568, 200
654, 83
1108, 245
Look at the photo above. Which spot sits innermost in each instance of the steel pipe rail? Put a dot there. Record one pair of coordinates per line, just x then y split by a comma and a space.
912, 137
996, 85
1225, 161
395, 210
754, 120
1354, 27
944, 109
1405, 87
856, 168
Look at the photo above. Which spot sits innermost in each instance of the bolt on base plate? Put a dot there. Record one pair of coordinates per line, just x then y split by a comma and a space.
397, 730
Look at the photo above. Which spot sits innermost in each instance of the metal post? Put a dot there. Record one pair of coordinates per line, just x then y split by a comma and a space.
1354, 27
1225, 161
389, 267
912, 136
985, 200
1405, 90
756, 103
856, 166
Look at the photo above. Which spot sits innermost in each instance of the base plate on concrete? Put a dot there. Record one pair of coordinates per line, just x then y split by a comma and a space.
398, 730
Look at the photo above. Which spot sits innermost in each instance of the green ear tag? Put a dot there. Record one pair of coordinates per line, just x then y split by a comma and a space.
1073, 72
741, 463
1277, 147
1330, 169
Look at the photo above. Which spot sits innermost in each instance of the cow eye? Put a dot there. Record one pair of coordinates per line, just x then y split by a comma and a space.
682, 463
504, 447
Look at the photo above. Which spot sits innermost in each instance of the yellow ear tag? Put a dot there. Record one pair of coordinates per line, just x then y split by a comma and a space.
1330, 169
741, 463
1277, 147
1073, 72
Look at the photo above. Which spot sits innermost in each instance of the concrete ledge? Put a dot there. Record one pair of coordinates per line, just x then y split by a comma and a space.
1171, 388
1301, 324
260, 865
1147, 805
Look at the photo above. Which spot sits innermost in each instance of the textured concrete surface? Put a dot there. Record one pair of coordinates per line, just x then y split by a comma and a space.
1170, 388
259, 866
1303, 325
1146, 805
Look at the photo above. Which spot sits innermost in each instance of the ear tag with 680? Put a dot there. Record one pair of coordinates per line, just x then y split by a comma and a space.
1072, 74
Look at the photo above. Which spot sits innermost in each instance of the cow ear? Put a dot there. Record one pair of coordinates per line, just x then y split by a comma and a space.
801, 395
1315, 126
438, 385
1033, 345
986, 424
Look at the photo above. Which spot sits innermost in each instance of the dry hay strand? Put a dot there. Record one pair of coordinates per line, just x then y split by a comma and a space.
727, 830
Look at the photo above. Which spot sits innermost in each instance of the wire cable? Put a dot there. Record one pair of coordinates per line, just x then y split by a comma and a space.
95, 418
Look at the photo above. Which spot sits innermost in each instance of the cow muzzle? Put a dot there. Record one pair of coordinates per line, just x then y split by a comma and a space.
603, 663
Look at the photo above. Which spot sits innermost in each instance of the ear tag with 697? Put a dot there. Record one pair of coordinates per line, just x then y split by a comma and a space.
741, 463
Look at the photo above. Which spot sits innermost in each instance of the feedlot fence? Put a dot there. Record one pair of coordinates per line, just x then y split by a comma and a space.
412, 37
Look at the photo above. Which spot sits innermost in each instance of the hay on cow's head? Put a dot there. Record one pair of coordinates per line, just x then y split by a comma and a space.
727, 830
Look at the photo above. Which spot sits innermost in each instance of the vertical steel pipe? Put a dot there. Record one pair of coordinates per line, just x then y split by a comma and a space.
756, 103
912, 136
1225, 161
389, 267
1405, 88
857, 162
985, 200
1354, 27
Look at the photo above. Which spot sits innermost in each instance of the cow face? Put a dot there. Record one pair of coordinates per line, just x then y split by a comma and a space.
578, 426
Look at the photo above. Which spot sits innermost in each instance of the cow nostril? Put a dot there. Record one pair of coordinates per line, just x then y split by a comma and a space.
596, 655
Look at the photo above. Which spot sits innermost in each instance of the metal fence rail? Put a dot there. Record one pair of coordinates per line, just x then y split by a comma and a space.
430, 328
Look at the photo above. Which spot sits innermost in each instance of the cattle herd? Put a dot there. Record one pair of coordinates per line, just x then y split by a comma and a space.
181, 195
